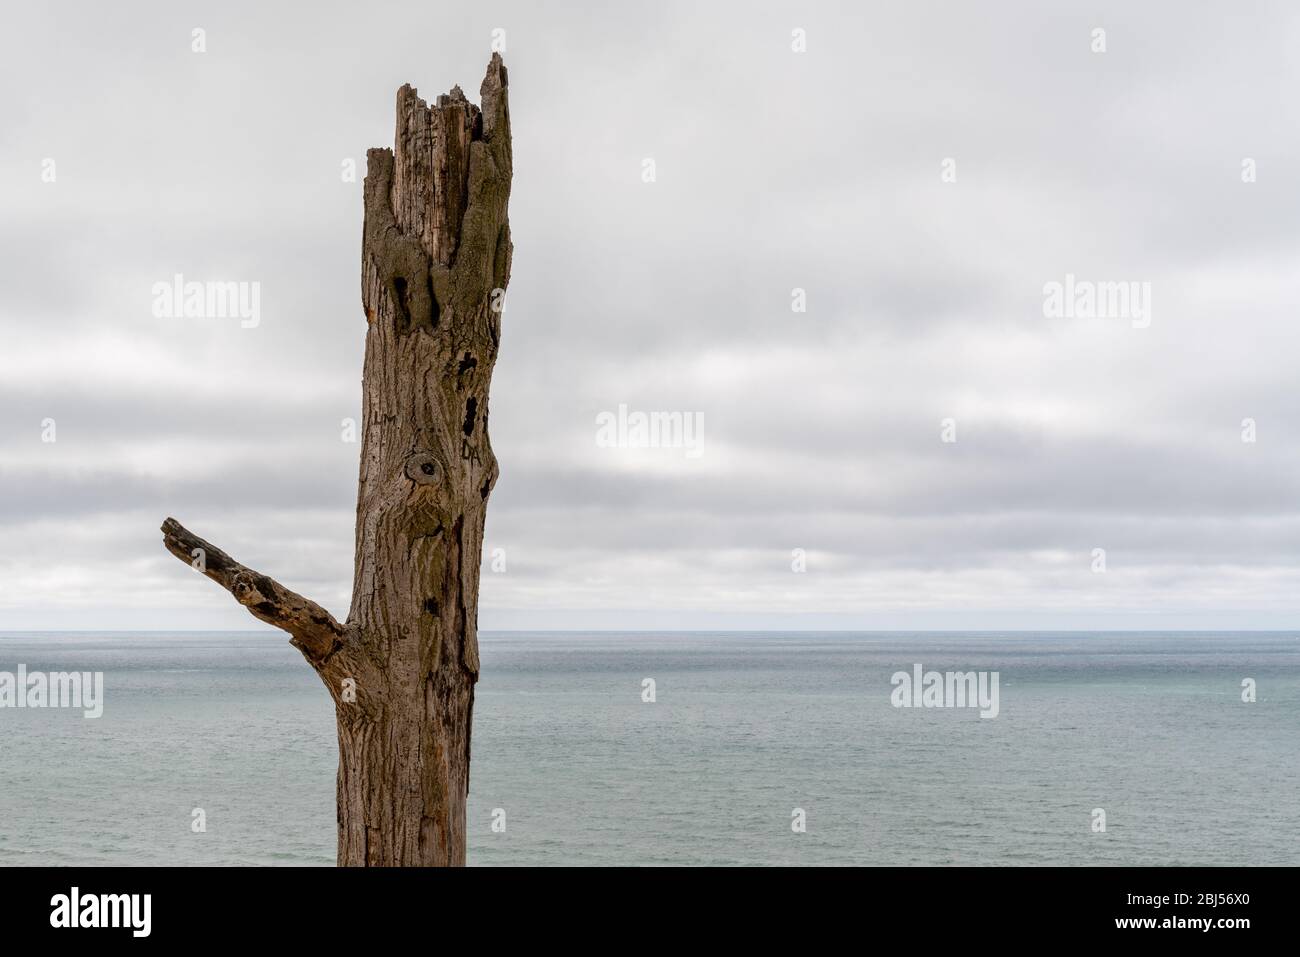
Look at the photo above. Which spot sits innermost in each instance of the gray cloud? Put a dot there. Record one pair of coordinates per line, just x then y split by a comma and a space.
776, 170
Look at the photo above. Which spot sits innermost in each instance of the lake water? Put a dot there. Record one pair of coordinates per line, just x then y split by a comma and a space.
745, 728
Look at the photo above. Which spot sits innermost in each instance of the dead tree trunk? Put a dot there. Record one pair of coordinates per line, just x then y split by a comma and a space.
435, 262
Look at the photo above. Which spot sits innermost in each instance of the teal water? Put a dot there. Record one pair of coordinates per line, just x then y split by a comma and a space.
745, 728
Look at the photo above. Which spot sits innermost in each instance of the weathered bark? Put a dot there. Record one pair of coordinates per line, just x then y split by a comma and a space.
434, 266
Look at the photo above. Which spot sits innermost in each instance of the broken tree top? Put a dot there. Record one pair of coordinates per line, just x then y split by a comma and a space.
433, 147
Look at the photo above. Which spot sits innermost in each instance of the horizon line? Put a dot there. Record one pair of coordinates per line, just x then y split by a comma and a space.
683, 631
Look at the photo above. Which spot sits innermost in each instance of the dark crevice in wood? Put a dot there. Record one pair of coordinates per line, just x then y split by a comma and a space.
471, 410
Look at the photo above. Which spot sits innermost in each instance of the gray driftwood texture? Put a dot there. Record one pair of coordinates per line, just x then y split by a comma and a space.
435, 262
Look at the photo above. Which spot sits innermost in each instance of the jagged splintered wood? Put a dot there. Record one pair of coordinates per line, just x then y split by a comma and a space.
435, 262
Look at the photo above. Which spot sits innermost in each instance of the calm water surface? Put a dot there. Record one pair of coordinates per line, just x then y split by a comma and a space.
746, 727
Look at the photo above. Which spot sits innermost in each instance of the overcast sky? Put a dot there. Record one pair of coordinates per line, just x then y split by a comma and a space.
774, 170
